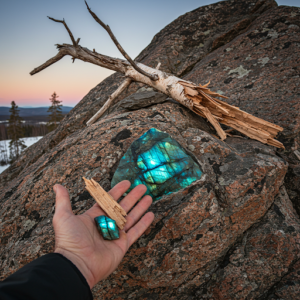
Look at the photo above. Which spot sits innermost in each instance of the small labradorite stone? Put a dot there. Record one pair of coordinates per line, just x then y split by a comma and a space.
159, 162
107, 227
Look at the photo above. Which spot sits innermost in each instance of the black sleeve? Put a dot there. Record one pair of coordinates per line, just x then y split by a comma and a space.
49, 277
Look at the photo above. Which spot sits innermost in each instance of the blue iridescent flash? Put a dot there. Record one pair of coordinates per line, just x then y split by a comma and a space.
159, 162
107, 227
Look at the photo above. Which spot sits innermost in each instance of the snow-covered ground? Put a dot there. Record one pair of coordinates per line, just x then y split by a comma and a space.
5, 145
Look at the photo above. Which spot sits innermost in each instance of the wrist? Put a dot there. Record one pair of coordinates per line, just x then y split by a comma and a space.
79, 263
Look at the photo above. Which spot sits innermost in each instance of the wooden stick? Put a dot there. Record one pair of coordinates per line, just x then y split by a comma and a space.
107, 104
106, 202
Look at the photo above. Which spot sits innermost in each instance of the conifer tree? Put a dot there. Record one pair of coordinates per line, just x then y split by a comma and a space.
15, 132
55, 111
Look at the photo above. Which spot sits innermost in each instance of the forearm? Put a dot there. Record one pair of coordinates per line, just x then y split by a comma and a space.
51, 276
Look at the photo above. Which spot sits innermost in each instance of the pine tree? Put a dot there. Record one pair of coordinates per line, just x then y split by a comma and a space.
55, 111
15, 133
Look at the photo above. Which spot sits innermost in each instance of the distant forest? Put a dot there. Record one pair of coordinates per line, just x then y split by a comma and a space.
34, 121
30, 130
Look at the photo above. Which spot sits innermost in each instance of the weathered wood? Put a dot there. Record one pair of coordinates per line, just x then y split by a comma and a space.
106, 202
186, 93
125, 84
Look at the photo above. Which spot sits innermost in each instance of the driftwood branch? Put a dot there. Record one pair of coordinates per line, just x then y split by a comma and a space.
107, 28
106, 202
197, 98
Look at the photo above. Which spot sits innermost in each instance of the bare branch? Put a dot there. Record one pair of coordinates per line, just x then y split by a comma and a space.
134, 65
111, 98
85, 55
49, 62
69, 31
195, 97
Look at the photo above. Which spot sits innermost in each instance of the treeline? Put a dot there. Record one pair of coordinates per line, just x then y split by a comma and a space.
29, 130
16, 130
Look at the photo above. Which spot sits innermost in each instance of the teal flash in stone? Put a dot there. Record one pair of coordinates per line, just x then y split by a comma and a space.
107, 227
159, 162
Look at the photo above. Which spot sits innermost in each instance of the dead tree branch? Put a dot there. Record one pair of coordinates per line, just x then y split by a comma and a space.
107, 28
69, 31
197, 98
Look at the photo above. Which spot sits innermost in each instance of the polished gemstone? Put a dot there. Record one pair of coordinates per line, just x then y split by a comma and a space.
159, 162
107, 227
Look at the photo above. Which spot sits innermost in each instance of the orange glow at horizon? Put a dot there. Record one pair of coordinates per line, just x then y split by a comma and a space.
70, 81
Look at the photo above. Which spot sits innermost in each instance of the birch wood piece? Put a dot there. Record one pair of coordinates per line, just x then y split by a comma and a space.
186, 93
111, 98
106, 202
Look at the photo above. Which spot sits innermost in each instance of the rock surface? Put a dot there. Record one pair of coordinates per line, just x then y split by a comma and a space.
259, 70
233, 234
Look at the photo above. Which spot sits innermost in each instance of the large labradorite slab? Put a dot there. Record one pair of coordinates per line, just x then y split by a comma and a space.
159, 162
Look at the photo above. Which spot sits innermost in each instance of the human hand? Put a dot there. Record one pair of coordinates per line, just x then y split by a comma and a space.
77, 237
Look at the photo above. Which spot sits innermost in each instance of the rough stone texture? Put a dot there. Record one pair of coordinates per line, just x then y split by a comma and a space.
289, 286
140, 100
193, 229
231, 235
187, 40
259, 70
261, 258
205, 25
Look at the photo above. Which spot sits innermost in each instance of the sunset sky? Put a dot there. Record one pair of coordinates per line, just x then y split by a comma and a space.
27, 39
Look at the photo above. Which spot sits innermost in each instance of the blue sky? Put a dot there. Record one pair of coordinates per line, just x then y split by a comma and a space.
28, 38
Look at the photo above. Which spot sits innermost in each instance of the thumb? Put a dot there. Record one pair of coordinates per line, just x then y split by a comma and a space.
62, 201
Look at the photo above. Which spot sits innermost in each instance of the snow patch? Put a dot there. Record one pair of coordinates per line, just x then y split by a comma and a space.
4, 148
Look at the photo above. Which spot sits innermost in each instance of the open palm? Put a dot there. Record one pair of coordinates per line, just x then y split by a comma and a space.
77, 237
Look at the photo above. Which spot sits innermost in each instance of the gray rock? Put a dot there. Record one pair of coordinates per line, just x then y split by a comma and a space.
140, 100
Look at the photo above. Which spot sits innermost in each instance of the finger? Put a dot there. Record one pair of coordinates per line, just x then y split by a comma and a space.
116, 192
137, 212
130, 200
136, 231
62, 201
119, 189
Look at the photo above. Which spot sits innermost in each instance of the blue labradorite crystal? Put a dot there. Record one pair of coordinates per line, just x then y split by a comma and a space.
107, 227
159, 162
